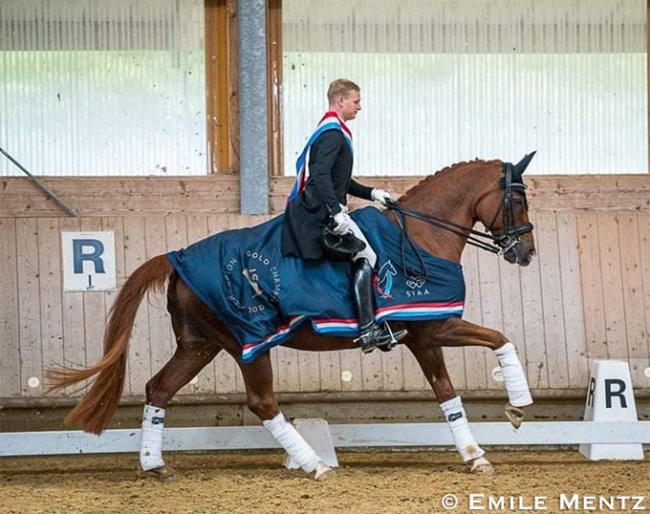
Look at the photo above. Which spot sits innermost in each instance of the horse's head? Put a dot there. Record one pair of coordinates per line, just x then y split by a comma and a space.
505, 215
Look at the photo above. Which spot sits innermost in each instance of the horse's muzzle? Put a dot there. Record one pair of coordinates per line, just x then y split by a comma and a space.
521, 254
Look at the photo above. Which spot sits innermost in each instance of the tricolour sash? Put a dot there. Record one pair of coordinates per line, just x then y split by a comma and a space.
330, 121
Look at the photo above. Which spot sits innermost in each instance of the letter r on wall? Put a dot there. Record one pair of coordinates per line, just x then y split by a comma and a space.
94, 255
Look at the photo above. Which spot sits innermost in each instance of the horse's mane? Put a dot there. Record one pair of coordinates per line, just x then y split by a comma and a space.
446, 171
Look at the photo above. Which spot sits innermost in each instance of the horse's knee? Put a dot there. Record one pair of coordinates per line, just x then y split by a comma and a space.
443, 390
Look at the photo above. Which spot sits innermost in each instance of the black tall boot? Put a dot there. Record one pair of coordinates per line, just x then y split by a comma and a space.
372, 335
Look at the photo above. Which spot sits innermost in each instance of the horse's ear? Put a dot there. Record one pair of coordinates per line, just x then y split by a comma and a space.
521, 166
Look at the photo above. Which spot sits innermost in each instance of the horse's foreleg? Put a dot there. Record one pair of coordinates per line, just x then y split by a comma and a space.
258, 377
432, 362
458, 332
515, 382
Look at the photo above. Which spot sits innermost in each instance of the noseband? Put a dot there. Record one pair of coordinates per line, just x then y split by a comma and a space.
495, 243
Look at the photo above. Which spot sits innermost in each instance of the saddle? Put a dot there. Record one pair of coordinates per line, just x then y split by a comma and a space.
340, 248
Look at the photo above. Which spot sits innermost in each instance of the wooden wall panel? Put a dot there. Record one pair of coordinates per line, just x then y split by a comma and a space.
160, 347
491, 305
351, 362
512, 282
552, 304
31, 351
592, 286
610, 268
372, 372
72, 315
574, 330
631, 252
287, 370
534, 336
586, 296
393, 369
9, 312
139, 363
94, 305
309, 369
51, 288
644, 252
474, 358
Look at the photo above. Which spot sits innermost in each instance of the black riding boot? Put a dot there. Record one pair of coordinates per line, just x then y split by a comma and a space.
372, 335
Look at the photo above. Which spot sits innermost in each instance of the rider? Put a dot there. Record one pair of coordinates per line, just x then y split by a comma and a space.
320, 200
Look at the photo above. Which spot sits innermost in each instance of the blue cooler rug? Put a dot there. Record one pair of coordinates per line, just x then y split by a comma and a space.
262, 297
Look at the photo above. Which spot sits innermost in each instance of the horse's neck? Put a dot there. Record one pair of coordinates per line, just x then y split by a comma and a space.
451, 198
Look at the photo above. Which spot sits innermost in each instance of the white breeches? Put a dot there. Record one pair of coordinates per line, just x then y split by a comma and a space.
367, 252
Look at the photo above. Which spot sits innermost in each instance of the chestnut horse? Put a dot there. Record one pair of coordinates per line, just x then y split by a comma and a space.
437, 215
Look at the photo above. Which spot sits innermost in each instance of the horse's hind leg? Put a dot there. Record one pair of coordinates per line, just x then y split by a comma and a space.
194, 351
261, 400
190, 358
458, 332
432, 362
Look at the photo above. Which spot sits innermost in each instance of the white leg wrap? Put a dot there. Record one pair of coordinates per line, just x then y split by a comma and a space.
153, 423
289, 438
513, 376
463, 438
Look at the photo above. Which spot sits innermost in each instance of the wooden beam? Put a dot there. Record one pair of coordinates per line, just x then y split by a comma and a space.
122, 196
218, 73
233, 86
274, 36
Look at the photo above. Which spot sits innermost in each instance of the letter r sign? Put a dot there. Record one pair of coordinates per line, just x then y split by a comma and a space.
88, 261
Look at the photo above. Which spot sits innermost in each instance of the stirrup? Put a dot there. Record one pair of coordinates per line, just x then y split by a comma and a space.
379, 337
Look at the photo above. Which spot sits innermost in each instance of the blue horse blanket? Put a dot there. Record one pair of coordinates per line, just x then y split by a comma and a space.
262, 297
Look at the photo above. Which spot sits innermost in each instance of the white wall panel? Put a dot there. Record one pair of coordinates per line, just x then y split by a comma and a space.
103, 88
446, 81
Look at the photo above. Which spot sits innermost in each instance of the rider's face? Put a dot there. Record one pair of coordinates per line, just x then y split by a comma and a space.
349, 105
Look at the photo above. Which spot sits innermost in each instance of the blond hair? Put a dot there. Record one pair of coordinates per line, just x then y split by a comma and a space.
340, 87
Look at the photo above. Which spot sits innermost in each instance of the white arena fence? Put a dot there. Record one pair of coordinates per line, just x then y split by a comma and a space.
379, 435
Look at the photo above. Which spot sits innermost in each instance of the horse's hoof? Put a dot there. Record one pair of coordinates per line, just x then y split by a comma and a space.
515, 415
482, 466
164, 473
323, 472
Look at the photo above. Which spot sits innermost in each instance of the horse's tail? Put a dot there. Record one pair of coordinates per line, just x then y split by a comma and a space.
96, 408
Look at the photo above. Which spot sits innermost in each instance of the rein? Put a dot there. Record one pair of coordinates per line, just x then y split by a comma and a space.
498, 244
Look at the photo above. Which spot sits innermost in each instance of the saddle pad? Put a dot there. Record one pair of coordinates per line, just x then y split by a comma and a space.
262, 297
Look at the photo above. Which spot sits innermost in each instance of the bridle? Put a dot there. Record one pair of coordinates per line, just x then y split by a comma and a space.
485, 240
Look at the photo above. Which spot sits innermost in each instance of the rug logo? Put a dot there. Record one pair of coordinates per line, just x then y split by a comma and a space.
383, 280
418, 288
244, 279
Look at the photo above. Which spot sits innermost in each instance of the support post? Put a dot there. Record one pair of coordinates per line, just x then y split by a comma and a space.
253, 107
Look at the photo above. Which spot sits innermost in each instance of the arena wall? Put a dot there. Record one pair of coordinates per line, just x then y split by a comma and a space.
586, 296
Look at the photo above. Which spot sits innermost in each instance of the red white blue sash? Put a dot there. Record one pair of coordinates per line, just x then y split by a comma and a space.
330, 121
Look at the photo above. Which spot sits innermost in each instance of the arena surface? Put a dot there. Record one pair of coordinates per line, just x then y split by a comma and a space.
374, 482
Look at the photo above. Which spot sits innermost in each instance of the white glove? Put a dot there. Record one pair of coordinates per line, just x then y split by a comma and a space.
379, 195
343, 223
